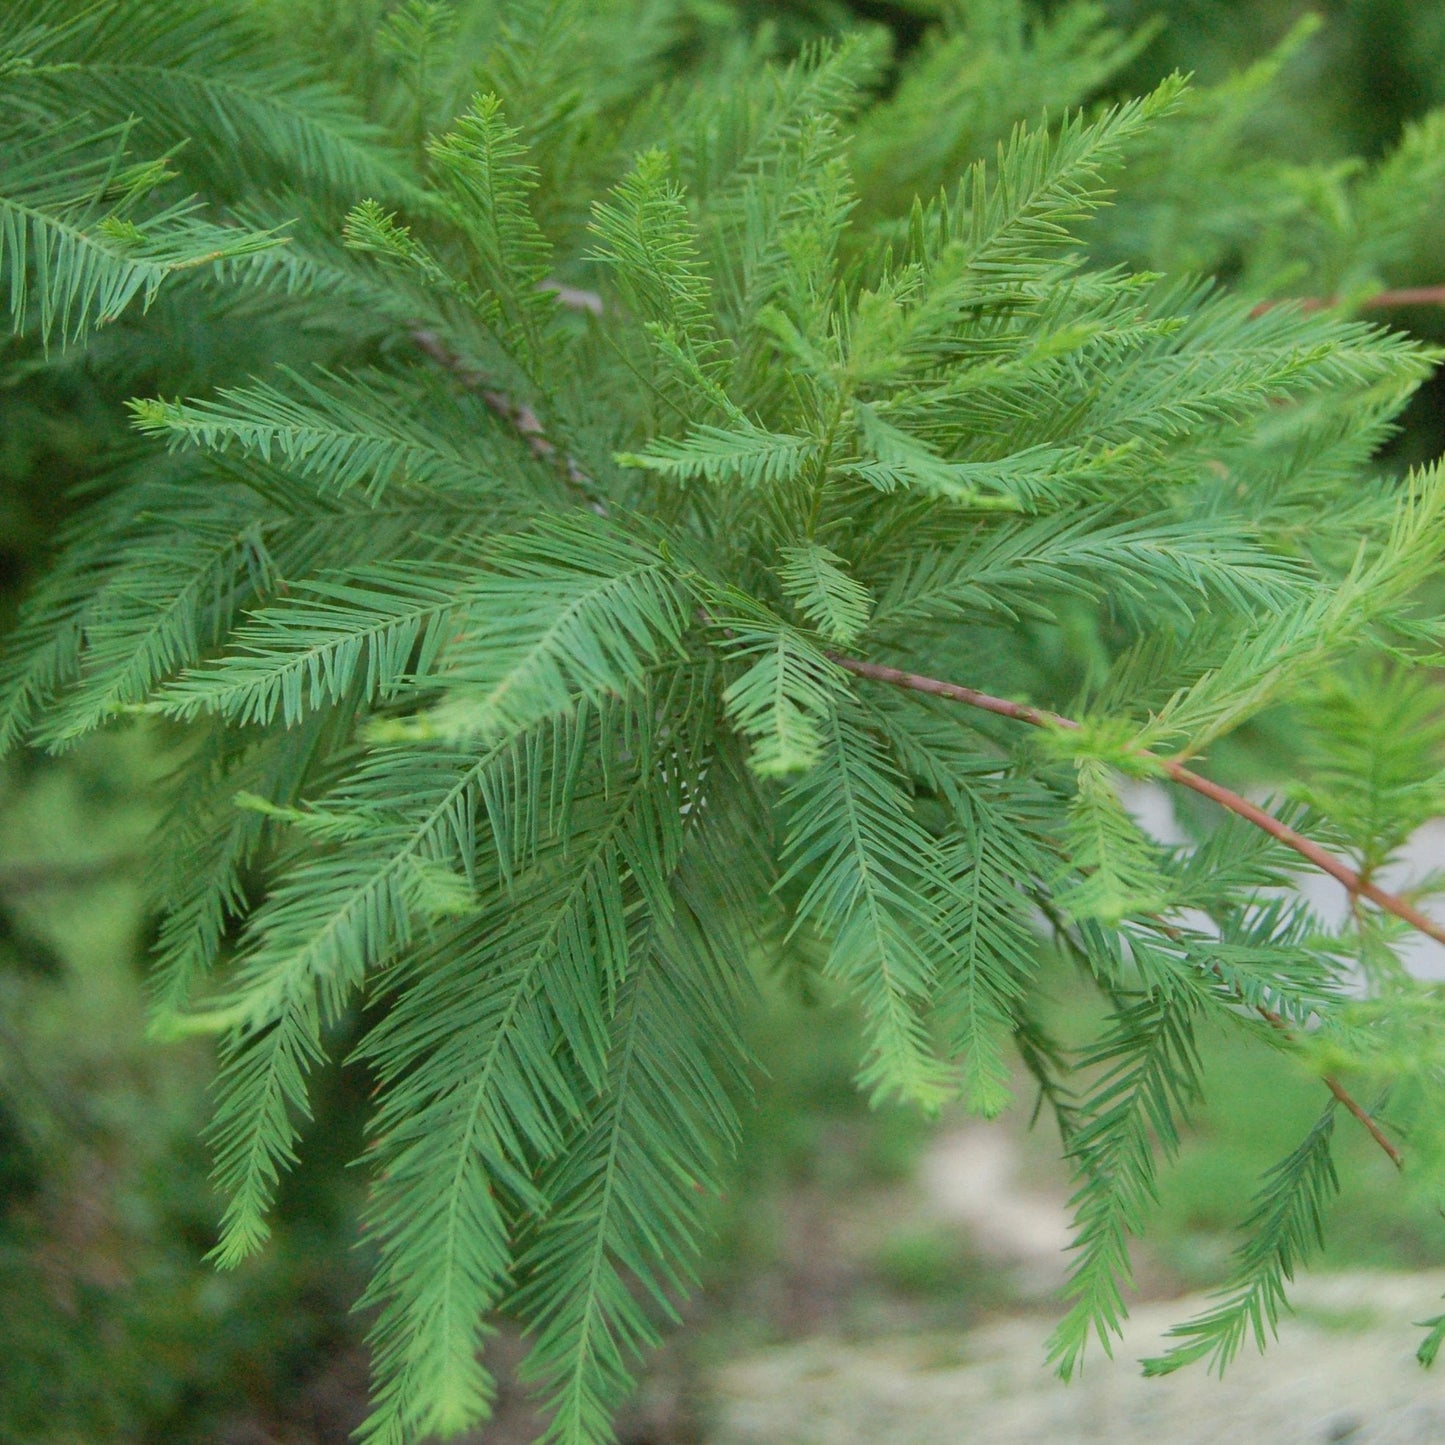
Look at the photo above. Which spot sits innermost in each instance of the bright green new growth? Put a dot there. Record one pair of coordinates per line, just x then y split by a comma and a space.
508, 643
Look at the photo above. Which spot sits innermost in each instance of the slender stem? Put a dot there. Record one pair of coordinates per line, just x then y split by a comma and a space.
1409, 296
1365, 1118
1403, 296
520, 417
1357, 884
1347, 1099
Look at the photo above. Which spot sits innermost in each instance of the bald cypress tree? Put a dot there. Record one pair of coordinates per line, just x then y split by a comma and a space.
686, 549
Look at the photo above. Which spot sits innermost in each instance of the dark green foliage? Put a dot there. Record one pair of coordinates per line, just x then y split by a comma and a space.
504, 643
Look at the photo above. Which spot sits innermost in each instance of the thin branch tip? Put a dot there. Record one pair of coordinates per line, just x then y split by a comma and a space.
1380, 301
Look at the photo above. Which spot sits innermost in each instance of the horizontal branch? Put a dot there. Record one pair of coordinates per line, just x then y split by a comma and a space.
1408, 296
1381, 300
520, 417
1358, 885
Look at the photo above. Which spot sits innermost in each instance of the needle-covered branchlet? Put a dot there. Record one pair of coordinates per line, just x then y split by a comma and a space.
1358, 884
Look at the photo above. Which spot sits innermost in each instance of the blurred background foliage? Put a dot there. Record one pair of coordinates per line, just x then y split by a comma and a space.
1309, 162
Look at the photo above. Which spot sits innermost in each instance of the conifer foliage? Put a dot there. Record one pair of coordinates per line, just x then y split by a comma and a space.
562, 647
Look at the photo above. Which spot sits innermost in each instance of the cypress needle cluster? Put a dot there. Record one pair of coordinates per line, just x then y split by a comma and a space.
517, 615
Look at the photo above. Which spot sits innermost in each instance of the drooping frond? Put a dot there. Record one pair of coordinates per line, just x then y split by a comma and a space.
262, 1102
992, 954
816, 582
205, 78
205, 846
368, 636
869, 867
361, 432
486, 1095
780, 703
329, 918
1132, 1117
567, 610
631, 1190
152, 616
1287, 1225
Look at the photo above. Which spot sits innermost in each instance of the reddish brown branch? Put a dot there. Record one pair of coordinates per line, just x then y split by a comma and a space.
520, 417
1365, 1118
1408, 296
1358, 885
1381, 300
1346, 1099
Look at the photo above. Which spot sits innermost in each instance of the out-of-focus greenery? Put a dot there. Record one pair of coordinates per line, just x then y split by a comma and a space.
1374, 64
1380, 1219
114, 1328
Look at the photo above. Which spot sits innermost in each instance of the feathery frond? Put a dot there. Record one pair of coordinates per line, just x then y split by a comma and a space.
565, 545
1286, 1226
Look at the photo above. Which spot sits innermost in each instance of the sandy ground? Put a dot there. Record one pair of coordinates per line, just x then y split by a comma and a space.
1343, 1368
